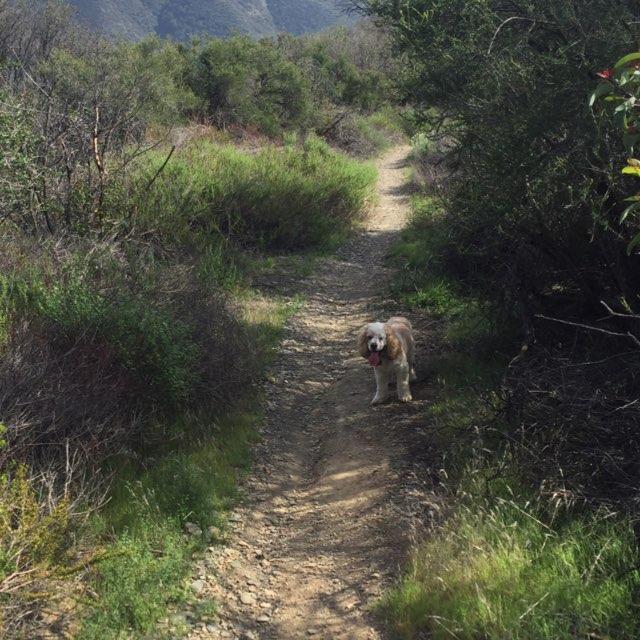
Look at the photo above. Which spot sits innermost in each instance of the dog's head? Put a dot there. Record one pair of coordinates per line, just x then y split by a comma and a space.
376, 339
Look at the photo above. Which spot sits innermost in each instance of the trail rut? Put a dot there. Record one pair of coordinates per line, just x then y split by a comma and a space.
333, 494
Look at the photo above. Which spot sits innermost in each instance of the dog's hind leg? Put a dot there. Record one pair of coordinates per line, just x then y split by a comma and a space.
411, 358
404, 373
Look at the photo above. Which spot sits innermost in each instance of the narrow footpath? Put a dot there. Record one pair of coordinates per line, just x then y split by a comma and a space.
334, 495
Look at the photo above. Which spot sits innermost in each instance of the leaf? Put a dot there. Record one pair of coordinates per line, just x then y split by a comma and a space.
603, 89
631, 171
635, 198
626, 60
633, 244
630, 209
627, 105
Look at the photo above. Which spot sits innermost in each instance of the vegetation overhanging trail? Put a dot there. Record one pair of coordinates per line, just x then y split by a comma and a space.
321, 533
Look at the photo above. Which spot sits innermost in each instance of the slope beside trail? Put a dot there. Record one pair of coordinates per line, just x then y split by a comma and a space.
333, 494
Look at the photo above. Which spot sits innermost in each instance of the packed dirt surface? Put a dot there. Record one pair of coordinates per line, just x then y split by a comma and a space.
334, 495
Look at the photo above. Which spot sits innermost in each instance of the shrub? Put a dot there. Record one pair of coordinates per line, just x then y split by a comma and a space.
365, 136
35, 536
142, 574
249, 83
533, 203
89, 325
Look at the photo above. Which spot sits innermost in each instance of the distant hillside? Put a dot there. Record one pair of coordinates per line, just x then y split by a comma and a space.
181, 19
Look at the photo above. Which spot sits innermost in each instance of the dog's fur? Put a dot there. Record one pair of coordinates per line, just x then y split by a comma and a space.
393, 340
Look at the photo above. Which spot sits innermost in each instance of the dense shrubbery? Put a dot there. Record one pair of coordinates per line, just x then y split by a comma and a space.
521, 552
125, 233
518, 242
533, 203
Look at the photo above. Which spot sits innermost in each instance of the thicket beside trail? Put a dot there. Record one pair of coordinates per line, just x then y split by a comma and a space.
518, 236
142, 188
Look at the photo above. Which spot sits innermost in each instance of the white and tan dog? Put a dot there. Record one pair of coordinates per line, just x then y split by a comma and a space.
389, 348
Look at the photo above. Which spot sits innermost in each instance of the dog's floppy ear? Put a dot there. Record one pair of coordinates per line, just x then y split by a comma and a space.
362, 342
394, 346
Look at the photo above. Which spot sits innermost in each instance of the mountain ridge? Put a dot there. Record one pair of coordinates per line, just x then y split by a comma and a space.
183, 19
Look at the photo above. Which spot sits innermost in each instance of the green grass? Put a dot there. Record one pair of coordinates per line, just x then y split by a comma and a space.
506, 563
380, 130
143, 573
276, 199
499, 571
194, 480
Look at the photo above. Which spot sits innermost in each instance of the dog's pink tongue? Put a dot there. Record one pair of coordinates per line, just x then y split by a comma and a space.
374, 359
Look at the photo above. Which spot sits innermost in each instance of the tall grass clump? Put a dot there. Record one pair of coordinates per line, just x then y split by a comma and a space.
276, 199
503, 568
367, 135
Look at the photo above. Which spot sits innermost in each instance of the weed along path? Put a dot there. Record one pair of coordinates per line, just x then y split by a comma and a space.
331, 499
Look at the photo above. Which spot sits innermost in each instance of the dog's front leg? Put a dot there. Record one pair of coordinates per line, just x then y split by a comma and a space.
382, 385
404, 391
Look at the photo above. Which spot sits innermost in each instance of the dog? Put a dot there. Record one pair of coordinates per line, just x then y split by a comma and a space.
389, 348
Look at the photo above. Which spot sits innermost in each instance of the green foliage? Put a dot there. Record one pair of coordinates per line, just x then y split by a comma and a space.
28, 528
423, 280
502, 569
533, 202
250, 83
144, 334
135, 583
276, 199
195, 481
366, 136
19, 149
511, 558
620, 90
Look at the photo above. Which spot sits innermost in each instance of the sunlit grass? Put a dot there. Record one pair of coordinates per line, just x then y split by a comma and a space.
497, 570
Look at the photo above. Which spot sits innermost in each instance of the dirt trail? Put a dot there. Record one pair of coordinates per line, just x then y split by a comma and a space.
330, 501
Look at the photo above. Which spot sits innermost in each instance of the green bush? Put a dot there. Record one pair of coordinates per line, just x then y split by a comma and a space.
142, 575
19, 145
533, 202
248, 82
144, 335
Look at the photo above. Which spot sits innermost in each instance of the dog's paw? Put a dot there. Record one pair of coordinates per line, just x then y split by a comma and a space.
405, 398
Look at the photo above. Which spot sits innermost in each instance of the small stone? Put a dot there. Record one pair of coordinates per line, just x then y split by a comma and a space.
247, 598
198, 586
263, 619
234, 517
312, 632
192, 529
266, 605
